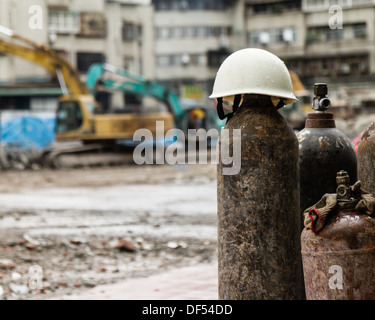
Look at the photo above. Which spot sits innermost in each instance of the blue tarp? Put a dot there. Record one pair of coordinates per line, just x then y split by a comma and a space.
28, 132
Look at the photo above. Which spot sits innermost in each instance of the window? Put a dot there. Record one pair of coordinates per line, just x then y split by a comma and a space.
275, 7
128, 32
324, 33
181, 60
162, 32
175, 59
192, 32
85, 60
188, 32
331, 66
200, 32
129, 62
323, 5
198, 59
216, 57
272, 36
64, 21
93, 24
182, 5
333, 34
69, 117
315, 4
253, 38
176, 32
359, 30
162, 60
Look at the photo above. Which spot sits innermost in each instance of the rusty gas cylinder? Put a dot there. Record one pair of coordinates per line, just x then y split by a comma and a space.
258, 208
324, 150
366, 157
339, 260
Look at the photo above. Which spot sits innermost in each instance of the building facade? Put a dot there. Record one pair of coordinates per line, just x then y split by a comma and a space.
118, 32
192, 39
322, 40
181, 43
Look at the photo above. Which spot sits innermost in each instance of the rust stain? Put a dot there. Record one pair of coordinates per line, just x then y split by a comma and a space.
348, 242
258, 213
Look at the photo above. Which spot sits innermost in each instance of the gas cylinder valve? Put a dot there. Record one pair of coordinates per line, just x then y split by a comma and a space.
320, 102
343, 187
338, 244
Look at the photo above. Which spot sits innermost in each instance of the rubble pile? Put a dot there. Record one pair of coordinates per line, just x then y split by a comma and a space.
20, 159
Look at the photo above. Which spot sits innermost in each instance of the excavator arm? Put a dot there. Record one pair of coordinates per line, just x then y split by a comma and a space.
47, 58
138, 85
148, 89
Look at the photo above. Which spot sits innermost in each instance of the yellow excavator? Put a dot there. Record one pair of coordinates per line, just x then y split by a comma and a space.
76, 119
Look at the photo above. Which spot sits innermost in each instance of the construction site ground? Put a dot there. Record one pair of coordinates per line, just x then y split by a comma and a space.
64, 232
123, 231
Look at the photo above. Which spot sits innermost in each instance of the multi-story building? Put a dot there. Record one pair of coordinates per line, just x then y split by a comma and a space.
181, 43
322, 40
193, 37
342, 55
276, 26
119, 32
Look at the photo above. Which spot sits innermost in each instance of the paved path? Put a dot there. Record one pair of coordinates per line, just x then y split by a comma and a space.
190, 283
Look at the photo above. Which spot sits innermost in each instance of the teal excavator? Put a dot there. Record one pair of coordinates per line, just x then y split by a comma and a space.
187, 114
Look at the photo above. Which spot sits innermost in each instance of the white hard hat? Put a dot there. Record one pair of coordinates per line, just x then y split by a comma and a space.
253, 71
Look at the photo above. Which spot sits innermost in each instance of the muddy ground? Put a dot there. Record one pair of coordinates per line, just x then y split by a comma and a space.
65, 231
